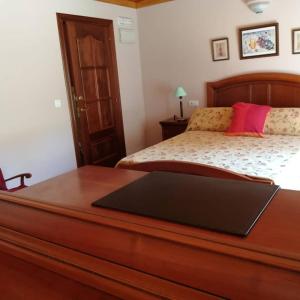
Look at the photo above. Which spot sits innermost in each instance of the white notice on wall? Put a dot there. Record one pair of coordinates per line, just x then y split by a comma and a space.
127, 36
125, 22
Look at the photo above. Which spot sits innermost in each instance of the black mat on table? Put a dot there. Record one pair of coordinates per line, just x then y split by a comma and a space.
223, 205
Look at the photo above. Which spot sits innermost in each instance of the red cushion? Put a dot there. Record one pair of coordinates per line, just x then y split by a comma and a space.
248, 119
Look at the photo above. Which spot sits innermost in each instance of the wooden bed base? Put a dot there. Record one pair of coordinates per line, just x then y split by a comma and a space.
274, 89
192, 168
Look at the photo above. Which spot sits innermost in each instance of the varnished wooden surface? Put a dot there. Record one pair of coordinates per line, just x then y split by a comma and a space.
135, 3
265, 265
79, 188
191, 168
51, 285
274, 89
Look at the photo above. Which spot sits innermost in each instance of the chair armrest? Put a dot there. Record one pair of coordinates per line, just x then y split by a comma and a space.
21, 176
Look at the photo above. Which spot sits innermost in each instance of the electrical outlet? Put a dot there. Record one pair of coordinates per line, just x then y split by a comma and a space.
194, 103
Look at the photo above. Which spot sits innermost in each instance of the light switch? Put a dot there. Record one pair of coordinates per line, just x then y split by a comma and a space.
194, 103
57, 103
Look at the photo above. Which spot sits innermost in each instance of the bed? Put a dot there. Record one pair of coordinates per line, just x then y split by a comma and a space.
205, 150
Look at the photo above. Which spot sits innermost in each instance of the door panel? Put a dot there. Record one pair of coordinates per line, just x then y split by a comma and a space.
103, 150
93, 120
90, 52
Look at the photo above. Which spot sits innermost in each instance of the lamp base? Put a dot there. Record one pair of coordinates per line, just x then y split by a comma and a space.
179, 119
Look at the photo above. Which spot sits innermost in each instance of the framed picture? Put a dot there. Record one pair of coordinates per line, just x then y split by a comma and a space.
220, 49
259, 41
296, 41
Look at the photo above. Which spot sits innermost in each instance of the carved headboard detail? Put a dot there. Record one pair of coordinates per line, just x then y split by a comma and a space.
274, 89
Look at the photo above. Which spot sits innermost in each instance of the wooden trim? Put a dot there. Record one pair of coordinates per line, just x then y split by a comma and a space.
247, 79
127, 3
69, 17
64, 54
268, 76
92, 271
135, 4
145, 3
118, 107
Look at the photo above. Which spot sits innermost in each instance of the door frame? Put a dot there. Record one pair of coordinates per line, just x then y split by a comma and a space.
61, 18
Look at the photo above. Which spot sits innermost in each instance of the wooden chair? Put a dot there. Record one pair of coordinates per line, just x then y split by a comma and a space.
193, 169
3, 181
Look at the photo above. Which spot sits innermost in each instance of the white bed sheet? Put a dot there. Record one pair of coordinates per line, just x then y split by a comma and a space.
275, 156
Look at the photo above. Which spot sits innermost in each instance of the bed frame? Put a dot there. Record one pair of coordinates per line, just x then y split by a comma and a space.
193, 169
274, 89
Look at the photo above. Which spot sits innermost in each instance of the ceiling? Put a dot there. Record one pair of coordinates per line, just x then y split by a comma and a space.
135, 3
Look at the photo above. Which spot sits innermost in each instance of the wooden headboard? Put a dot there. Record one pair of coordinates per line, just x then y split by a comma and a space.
274, 89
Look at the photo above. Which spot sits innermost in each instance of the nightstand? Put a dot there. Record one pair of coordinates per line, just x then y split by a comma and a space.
171, 127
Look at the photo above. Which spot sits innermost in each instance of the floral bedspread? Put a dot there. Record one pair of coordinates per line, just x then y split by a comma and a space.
275, 156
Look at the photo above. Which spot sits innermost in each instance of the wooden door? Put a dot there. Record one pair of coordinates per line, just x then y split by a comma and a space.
91, 74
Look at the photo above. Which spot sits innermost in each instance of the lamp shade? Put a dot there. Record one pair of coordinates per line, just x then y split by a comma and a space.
258, 6
180, 92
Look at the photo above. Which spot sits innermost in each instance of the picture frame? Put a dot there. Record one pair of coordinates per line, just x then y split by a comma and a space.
220, 49
259, 41
296, 41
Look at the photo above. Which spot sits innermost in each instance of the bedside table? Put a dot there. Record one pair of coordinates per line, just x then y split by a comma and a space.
171, 127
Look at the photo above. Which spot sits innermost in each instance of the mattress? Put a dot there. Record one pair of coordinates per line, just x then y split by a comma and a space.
275, 156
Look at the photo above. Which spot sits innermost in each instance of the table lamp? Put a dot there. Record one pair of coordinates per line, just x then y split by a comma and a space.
180, 93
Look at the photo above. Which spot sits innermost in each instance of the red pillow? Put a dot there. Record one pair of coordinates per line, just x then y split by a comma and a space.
248, 119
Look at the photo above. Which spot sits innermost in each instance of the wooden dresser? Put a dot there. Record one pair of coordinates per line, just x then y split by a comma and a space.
55, 245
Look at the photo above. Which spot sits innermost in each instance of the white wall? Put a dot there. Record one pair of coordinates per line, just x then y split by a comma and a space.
34, 136
175, 49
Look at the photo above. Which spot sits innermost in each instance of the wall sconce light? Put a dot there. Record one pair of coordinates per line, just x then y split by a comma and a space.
180, 93
258, 6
